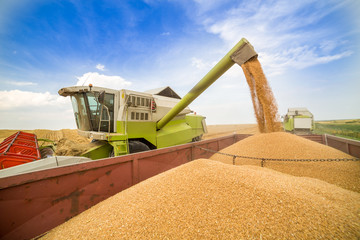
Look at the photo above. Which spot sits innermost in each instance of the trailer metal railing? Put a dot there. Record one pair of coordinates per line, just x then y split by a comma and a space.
351, 147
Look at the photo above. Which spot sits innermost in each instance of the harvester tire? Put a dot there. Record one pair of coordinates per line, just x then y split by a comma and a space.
46, 152
196, 139
136, 146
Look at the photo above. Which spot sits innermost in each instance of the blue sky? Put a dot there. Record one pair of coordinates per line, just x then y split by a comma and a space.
309, 51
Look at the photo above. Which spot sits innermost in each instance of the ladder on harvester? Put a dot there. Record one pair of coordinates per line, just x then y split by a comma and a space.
104, 120
19, 148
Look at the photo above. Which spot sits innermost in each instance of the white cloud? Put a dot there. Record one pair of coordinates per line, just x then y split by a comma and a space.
32, 110
296, 58
233, 107
15, 99
100, 80
100, 67
327, 46
206, 5
21, 83
279, 32
199, 63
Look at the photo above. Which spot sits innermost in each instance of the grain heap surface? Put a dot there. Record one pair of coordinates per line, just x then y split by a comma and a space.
264, 103
289, 146
210, 200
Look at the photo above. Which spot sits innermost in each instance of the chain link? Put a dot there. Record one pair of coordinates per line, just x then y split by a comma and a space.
280, 159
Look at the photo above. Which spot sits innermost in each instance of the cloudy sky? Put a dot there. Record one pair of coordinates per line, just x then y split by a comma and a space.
309, 50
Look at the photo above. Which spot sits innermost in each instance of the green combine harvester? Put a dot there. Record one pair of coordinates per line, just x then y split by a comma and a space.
125, 121
299, 121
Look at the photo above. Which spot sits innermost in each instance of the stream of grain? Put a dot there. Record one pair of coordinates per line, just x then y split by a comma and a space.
265, 107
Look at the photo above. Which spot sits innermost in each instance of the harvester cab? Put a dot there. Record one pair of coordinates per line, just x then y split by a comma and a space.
125, 121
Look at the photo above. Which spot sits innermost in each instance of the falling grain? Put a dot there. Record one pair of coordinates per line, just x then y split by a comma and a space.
264, 103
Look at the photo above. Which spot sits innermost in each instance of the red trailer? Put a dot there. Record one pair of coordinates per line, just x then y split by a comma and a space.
33, 203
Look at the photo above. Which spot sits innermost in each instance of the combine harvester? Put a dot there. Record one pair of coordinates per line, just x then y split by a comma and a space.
299, 121
127, 121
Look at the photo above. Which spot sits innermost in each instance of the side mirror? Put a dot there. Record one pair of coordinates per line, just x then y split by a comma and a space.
101, 97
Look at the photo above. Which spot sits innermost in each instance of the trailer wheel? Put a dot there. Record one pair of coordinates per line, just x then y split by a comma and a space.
46, 152
136, 146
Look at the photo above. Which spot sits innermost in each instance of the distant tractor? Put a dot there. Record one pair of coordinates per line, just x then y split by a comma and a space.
299, 121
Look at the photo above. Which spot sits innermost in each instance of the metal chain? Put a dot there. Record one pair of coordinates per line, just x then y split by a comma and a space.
280, 159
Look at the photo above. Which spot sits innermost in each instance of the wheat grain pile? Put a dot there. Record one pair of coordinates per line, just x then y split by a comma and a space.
289, 146
206, 199
265, 107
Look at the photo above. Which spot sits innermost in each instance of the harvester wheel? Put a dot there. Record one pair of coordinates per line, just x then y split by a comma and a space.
112, 153
196, 139
46, 152
136, 146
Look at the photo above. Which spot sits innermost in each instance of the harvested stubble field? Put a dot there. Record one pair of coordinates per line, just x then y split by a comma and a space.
69, 143
206, 199
54, 135
215, 131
